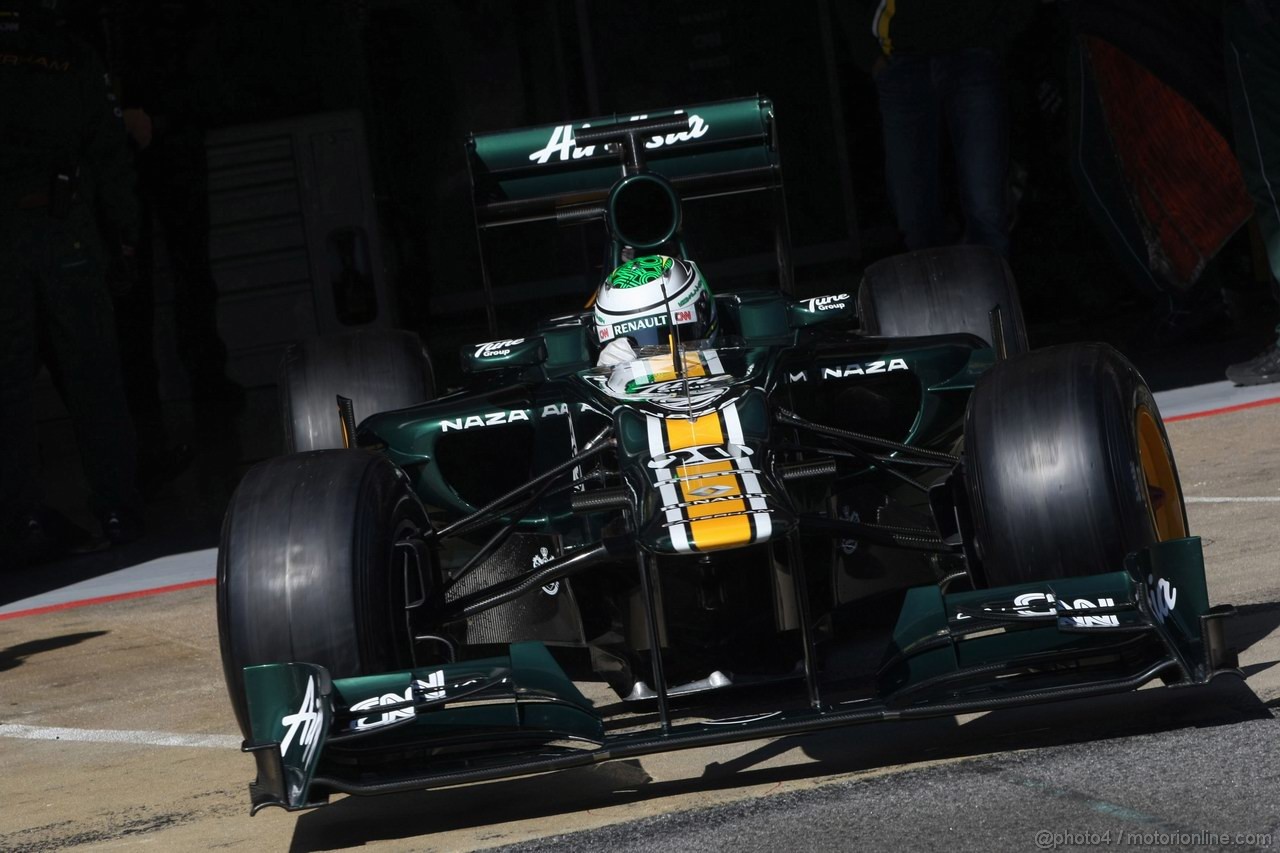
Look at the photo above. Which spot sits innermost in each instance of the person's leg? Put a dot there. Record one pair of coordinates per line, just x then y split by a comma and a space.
182, 204
82, 335
1253, 76
909, 114
135, 325
976, 105
1252, 55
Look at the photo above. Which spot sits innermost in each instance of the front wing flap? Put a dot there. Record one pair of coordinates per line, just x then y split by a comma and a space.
301, 718
1156, 608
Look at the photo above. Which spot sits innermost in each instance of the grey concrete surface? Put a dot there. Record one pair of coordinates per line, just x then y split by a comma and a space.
1158, 760
183, 568
1095, 793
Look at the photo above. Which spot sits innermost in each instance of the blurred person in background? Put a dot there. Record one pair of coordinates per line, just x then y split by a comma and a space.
166, 106
1251, 35
155, 46
939, 67
65, 169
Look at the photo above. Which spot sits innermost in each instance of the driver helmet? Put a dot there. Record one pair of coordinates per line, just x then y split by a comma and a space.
644, 298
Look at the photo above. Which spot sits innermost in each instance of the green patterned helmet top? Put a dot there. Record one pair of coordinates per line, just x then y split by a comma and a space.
639, 271
644, 298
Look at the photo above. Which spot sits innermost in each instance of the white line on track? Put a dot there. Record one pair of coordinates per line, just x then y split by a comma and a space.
114, 736
1259, 500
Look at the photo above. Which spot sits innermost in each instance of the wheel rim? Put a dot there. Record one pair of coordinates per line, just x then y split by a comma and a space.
1164, 496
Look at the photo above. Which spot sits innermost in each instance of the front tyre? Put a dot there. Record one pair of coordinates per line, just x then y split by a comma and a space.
1068, 465
307, 567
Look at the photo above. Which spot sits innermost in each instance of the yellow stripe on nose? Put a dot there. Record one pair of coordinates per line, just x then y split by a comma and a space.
704, 488
711, 525
663, 367
682, 432
726, 532
699, 470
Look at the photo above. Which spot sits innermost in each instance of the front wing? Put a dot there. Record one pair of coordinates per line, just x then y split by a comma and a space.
519, 714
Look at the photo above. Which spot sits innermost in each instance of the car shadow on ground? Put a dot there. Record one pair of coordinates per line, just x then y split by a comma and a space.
15, 656
1228, 700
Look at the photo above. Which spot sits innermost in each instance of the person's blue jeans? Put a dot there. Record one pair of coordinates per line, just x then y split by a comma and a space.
1252, 51
966, 90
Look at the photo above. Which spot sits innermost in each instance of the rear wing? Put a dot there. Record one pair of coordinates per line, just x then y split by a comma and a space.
546, 173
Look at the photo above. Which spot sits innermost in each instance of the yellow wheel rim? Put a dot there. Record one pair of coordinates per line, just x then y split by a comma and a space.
1165, 498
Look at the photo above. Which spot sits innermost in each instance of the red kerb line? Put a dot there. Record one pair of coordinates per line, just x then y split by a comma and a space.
1256, 404
105, 599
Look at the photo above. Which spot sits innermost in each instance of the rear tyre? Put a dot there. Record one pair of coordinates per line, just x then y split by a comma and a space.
942, 291
378, 370
1068, 465
306, 570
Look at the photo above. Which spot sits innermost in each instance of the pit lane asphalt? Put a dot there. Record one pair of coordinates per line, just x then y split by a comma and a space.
1095, 793
1158, 761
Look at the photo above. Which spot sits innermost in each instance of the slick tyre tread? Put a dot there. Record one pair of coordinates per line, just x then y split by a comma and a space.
939, 291
305, 563
1060, 446
377, 369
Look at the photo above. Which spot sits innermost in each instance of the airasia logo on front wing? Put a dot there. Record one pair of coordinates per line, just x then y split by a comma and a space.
1162, 596
305, 724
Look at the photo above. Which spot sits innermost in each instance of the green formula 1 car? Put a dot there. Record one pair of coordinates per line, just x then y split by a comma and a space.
866, 506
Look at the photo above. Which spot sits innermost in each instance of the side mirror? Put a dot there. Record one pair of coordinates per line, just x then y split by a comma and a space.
492, 355
566, 339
